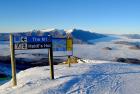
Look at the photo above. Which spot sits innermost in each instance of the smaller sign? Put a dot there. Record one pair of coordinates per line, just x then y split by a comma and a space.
69, 45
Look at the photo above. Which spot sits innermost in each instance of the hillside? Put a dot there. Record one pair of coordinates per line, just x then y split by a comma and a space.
91, 77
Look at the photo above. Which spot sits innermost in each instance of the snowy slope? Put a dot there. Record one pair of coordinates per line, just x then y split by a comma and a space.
92, 77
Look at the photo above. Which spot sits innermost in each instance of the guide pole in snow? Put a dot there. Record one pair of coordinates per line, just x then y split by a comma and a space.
50, 52
13, 64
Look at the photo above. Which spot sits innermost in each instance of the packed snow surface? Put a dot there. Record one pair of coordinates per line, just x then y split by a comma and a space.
86, 77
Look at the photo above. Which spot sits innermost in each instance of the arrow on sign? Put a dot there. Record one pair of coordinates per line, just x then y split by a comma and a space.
24, 39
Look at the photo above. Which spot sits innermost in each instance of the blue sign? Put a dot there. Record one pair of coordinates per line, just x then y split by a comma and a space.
32, 39
59, 44
31, 42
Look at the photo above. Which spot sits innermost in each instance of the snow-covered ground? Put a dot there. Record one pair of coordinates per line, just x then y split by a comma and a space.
92, 77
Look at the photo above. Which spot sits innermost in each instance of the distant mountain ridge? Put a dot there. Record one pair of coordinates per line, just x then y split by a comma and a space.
79, 36
85, 36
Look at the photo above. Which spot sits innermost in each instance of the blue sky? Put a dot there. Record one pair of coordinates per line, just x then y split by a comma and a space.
103, 16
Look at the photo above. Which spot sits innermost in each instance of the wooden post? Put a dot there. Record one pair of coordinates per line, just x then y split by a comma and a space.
13, 64
69, 61
50, 52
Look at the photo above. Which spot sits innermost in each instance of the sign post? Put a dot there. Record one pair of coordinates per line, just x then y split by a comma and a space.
50, 53
13, 65
69, 48
69, 61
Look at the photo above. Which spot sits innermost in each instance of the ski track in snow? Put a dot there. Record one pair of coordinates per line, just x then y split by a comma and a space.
101, 79
93, 84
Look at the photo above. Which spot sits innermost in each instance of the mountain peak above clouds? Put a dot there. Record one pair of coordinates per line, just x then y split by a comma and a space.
70, 30
48, 30
83, 36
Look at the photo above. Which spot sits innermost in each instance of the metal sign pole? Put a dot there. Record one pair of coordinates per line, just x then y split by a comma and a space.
69, 48
13, 64
69, 61
50, 53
